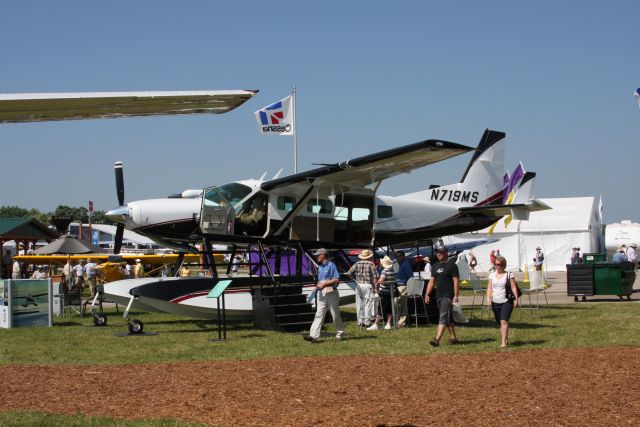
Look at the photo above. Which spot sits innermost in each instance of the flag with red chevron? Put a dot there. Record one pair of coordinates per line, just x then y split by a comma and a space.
277, 118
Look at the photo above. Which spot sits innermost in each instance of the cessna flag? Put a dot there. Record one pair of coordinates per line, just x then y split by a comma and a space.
277, 118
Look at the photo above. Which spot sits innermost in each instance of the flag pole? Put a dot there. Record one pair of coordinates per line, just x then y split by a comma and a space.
295, 133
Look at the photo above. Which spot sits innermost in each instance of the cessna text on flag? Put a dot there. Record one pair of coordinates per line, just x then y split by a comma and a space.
277, 118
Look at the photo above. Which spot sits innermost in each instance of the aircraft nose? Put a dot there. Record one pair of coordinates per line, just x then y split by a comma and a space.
119, 214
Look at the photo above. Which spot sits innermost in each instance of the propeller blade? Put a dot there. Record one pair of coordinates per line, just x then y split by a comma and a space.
119, 182
117, 244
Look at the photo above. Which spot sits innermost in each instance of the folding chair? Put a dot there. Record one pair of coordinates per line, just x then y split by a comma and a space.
477, 289
536, 286
72, 302
415, 287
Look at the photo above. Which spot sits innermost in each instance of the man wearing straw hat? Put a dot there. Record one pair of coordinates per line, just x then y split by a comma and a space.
365, 274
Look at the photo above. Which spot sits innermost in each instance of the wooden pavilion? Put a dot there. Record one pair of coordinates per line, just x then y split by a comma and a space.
27, 231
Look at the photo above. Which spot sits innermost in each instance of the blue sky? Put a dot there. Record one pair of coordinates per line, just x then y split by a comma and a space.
557, 77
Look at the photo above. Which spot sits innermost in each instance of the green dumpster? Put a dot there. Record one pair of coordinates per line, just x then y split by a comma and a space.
614, 278
593, 258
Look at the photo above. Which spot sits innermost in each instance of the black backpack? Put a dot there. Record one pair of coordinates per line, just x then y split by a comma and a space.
507, 288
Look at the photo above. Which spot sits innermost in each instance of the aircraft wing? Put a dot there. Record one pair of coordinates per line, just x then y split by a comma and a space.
40, 107
362, 171
99, 258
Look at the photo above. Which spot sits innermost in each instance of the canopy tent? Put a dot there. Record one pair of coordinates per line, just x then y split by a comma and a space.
571, 222
68, 244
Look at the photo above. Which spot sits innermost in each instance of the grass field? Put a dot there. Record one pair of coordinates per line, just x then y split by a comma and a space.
38, 419
76, 341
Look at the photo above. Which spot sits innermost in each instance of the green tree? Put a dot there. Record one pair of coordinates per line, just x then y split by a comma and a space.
13, 212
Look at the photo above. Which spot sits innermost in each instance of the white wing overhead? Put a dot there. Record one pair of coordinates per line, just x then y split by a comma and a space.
362, 171
39, 107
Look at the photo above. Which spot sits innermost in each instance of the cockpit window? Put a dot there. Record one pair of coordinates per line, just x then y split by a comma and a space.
214, 197
234, 192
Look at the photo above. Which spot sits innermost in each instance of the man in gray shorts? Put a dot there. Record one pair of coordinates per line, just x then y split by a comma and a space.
446, 278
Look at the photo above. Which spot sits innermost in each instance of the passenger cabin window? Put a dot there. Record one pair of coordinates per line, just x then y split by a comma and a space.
341, 213
320, 206
286, 203
360, 214
385, 211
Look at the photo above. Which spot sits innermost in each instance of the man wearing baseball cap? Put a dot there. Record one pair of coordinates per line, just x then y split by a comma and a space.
327, 286
446, 278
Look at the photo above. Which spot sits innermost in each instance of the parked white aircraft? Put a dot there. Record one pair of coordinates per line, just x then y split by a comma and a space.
338, 204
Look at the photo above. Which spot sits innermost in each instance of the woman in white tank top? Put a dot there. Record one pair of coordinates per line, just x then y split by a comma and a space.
497, 297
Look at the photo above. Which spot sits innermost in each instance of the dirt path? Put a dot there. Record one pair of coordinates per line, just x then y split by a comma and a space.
550, 387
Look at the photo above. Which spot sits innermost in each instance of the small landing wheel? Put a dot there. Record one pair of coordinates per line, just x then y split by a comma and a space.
136, 327
575, 298
100, 320
584, 298
628, 297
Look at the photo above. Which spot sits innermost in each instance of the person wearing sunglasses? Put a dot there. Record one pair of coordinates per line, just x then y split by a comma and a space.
500, 299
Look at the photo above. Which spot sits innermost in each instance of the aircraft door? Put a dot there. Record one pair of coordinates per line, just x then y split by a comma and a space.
217, 216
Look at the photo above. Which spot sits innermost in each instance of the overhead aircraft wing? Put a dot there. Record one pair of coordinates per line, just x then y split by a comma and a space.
40, 107
99, 258
362, 171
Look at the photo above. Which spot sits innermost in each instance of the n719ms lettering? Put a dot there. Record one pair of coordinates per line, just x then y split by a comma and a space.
443, 195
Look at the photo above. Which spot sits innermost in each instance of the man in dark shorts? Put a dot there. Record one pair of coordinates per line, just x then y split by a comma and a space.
446, 278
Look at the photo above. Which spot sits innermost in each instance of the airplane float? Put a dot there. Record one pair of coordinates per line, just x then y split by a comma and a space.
335, 206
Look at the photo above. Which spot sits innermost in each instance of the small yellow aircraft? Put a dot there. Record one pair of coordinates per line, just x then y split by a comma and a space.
109, 265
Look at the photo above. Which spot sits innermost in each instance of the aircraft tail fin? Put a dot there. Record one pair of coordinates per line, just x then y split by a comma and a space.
482, 179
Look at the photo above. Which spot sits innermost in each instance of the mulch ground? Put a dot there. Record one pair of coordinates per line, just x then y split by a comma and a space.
546, 387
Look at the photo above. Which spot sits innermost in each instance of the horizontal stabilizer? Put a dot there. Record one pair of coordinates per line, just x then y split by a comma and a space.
501, 210
40, 107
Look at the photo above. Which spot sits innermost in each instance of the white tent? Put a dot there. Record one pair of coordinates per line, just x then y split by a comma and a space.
571, 222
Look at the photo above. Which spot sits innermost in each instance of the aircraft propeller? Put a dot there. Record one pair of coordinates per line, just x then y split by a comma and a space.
117, 245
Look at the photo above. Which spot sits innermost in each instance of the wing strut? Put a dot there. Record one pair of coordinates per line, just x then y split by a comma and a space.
293, 212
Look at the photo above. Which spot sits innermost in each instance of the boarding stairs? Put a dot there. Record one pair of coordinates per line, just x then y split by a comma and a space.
282, 307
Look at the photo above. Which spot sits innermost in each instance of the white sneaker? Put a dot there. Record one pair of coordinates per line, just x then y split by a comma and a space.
373, 327
387, 326
339, 335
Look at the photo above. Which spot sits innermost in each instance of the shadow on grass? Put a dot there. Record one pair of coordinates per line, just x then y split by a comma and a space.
526, 343
68, 323
464, 342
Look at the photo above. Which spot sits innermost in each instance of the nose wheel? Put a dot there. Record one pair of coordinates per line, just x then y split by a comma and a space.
135, 326
99, 318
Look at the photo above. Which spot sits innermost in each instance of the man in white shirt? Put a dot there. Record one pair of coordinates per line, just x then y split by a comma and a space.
39, 273
15, 272
90, 271
631, 253
78, 271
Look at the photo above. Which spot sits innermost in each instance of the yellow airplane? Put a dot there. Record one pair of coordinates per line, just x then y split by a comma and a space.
109, 265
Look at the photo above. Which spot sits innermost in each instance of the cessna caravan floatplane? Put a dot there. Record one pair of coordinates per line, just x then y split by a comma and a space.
335, 206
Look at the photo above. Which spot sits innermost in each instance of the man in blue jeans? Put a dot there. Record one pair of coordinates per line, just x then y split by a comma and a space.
327, 286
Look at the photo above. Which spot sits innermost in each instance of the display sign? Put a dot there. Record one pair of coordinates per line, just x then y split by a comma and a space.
219, 288
25, 303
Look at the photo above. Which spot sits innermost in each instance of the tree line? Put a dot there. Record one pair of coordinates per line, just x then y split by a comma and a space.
77, 214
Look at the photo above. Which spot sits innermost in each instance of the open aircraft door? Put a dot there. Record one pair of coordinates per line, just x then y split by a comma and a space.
217, 216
